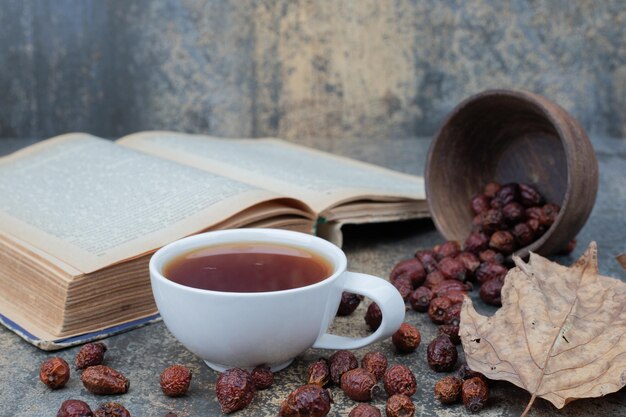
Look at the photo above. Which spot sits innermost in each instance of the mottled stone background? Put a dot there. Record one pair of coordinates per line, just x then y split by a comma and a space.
369, 68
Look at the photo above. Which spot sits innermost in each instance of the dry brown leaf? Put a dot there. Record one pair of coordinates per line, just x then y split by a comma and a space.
560, 334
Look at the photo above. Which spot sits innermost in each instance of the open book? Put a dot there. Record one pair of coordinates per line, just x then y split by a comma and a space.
80, 217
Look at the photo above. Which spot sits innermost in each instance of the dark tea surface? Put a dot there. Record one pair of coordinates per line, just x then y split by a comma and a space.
248, 267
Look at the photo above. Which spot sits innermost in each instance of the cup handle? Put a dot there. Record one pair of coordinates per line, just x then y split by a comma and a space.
382, 293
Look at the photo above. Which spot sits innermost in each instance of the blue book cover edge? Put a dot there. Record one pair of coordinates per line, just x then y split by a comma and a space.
75, 340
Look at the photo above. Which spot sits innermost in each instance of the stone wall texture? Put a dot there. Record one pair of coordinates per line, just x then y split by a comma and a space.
350, 68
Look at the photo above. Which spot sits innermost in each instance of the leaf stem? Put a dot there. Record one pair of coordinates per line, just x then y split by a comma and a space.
530, 403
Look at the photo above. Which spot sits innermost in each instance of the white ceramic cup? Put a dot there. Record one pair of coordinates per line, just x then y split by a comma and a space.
244, 330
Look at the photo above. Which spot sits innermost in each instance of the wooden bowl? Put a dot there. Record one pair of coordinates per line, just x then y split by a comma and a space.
511, 136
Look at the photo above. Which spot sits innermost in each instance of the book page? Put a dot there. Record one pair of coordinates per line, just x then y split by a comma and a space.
91, 203
320, 179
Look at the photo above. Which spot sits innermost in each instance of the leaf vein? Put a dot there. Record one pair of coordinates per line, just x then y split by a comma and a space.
495, 351
591, 362
595, 337
556, 338
569, 387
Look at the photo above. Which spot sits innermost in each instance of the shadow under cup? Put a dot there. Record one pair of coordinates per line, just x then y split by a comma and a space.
247, 329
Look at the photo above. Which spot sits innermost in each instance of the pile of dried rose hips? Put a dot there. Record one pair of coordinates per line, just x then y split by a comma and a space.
510, 217
468, 386
506, 218
103, 380
235, 388
361, 383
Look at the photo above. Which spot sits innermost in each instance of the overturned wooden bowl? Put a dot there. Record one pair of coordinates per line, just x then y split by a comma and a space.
511, 136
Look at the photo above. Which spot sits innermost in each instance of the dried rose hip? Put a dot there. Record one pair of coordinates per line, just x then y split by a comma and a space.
175, 380
569, 248
455, 296
103, 380
490, 255
111, 409
508, 193
441, 354
513, 213
373, 316
89, 355
490, 291
452, 268
404, 287
406, 339
523, 234
234, 389
491, 189
448, 389
453, 314
411, 269
536, 227
54, 372
399, 405
489, 270
550, 212
449, 249
502, 241
433, 279
318, 373
307, 400
475, 393
480, 203
349, 303
420, 299
465, 372
444, 287
437, 309
470, 262
534, 213
376, 363
74, 408
428, 260
452, 331
262, 377
358, 384
340, 362
529, 196
476, 242
492, 220
399, 380
365, 410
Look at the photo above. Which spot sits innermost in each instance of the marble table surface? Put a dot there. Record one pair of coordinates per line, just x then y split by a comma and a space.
143, 353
